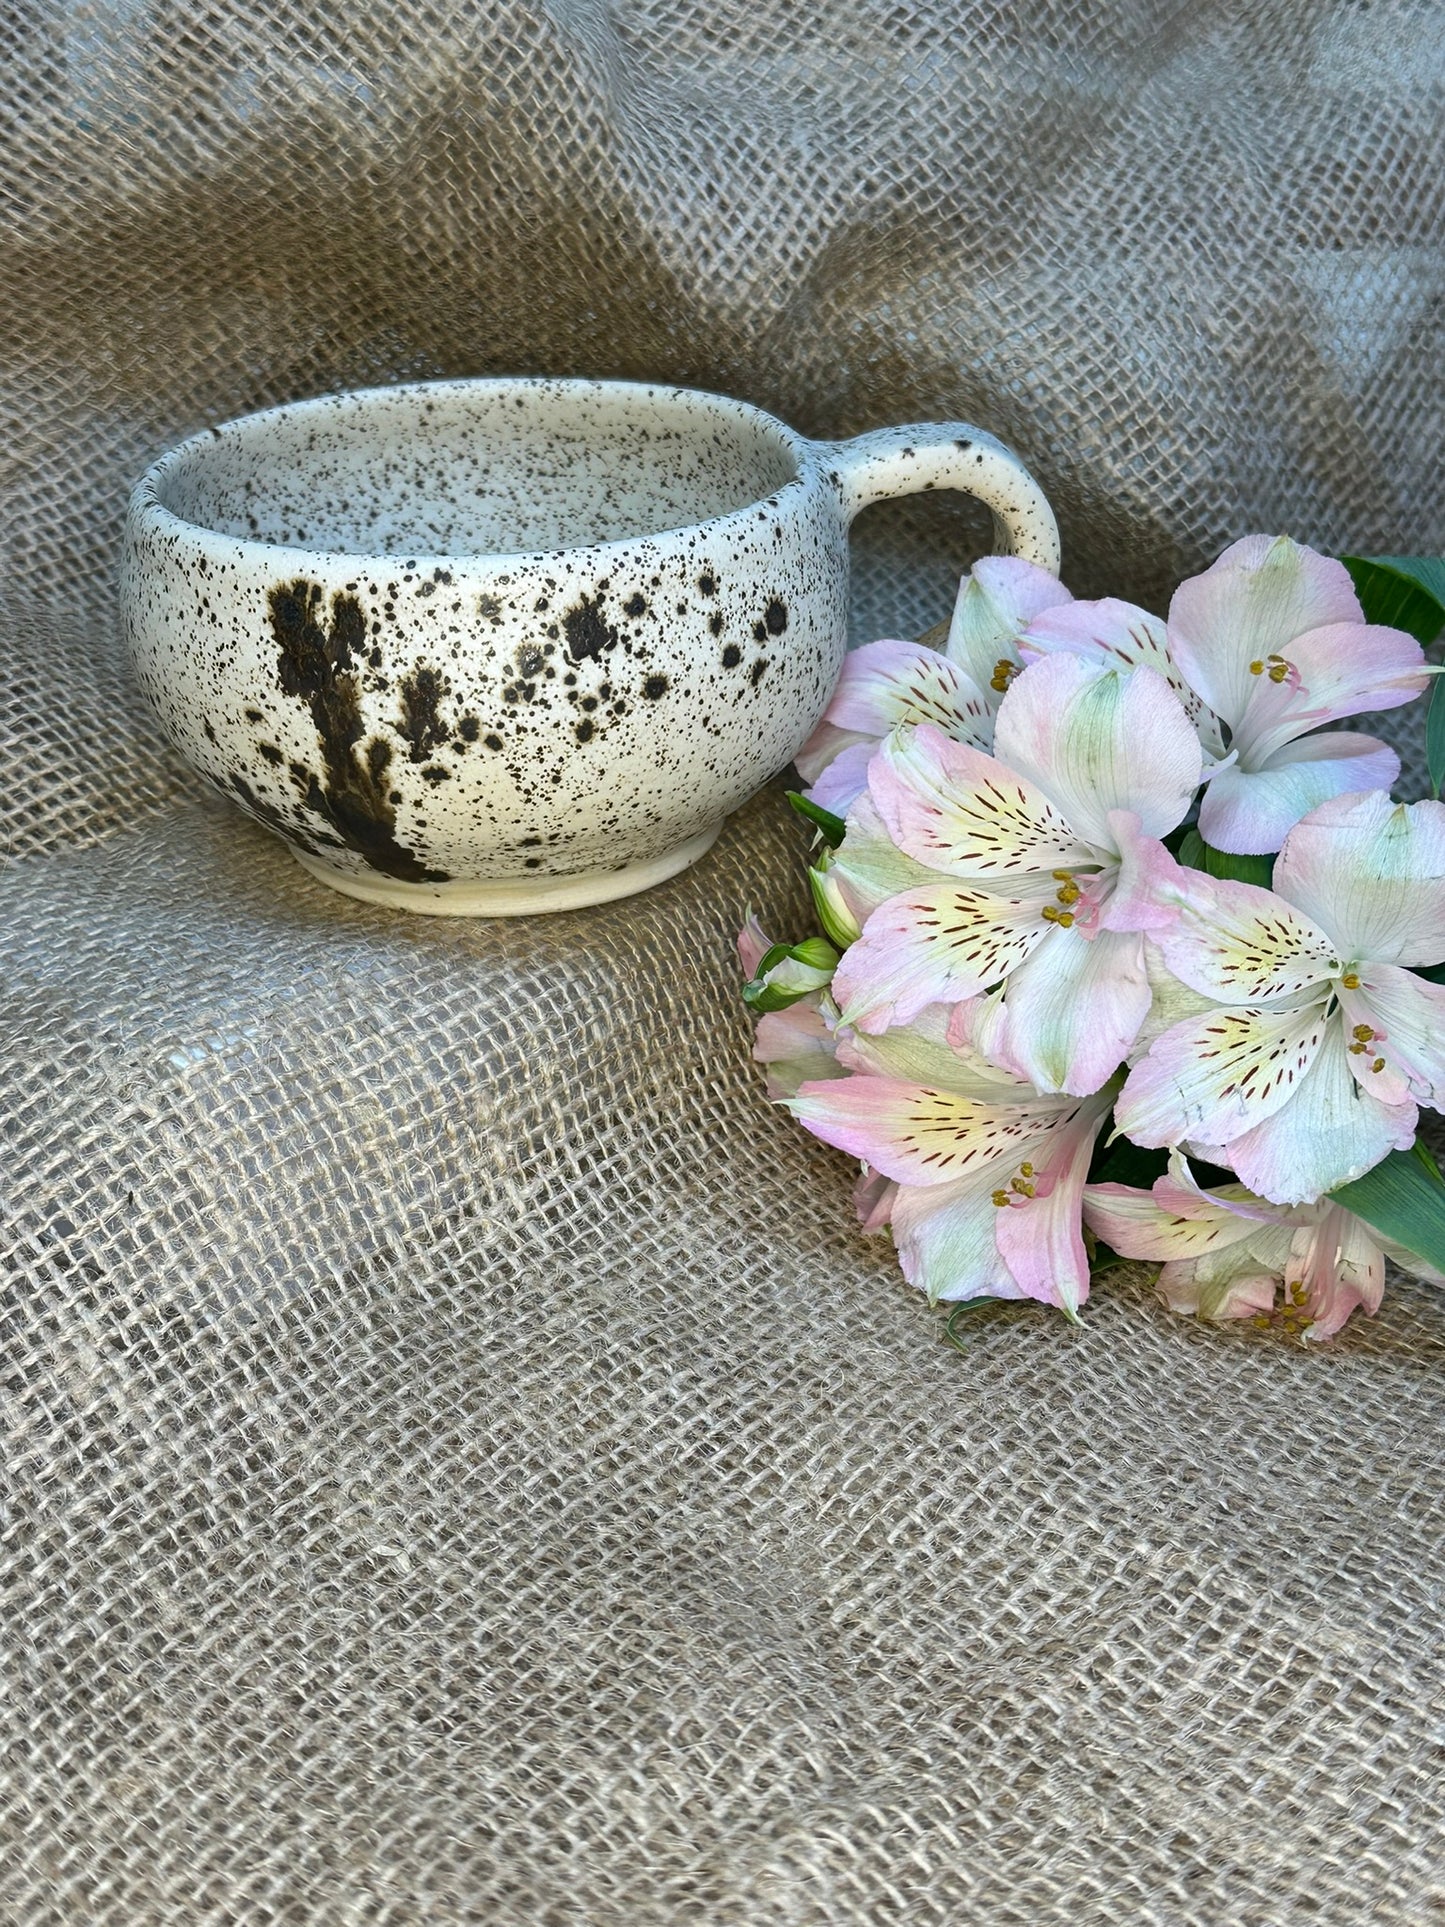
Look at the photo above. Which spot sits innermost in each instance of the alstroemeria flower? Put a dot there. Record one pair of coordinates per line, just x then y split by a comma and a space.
1272, 638
1225, 1251
794, 1040
1321, 1042
957, 690
1043, 863
918, 1052
989, 1195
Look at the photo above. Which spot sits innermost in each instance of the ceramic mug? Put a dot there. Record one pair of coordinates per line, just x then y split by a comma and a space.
487, 647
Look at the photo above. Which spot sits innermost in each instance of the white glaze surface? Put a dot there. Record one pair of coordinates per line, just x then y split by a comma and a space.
488, 632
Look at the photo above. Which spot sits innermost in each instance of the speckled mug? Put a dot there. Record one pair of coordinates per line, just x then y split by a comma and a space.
482, 648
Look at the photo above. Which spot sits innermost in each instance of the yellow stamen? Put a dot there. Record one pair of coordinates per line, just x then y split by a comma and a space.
1256, 668
1004, 672
1351, 980
1026, 1170
1363, 1032
1022, 1186
1378, 1065
1000, 1198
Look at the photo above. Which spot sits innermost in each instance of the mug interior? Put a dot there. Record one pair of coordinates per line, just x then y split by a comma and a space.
478, 468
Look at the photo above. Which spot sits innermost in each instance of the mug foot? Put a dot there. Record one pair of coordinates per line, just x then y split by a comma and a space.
513, 896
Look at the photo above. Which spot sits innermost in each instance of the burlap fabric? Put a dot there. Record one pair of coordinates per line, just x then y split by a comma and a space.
461, 1464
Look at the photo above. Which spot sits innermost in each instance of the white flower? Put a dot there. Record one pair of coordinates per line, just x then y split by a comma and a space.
1320, 1042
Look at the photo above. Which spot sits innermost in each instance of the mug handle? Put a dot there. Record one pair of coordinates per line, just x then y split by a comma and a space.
929, 455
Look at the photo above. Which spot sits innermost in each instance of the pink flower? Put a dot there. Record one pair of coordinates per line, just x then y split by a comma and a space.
1038, 865
989, 1183
1319, 1042
958, 690
1272, 638
1265, 646
1225, 1252
794, 1037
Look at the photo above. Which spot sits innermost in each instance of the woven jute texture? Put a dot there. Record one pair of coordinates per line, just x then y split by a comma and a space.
460, 1463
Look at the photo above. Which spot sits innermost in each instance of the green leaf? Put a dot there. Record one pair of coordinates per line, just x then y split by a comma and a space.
1189, 849
1435, 737
1405, 591
833, 827
1196, 854
974, 1310
1402, 1199
1408, 592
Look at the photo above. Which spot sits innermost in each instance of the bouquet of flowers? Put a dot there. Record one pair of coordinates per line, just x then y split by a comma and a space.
1124, 952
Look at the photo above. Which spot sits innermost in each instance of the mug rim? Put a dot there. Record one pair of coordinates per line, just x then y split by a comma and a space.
147, 508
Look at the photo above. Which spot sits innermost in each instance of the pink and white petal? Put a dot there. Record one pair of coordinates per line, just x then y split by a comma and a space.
1113, 631
825, 744
1071, 1012
1149, 886
840, 783
1042, 1240
946, 1244
1234, 1283
996, 601
1252, 603
916, 1135
1245, 945
949, 806
1139, 1224
797, 1047
938, 944
885, 683
1407, 1015
1170, 1003
1095, 739
1372, 873
1215, 1077
1342, 1269
754, 943
921, 1052
1180, 1192
873, 1197
1329, 1132
1252, 811
1106, 631
868, 867
1339, 671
